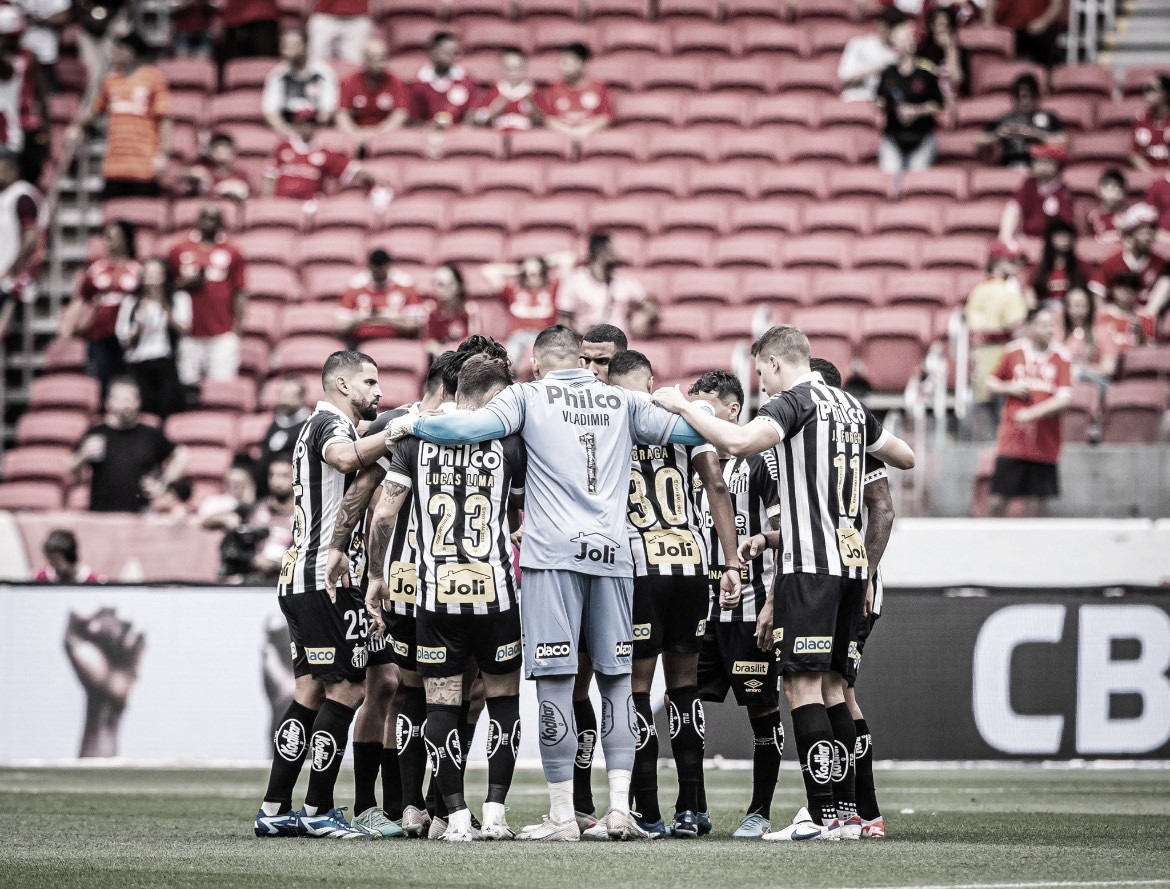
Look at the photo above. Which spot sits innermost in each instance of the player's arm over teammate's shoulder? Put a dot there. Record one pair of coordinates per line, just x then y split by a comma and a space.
651, 424
338, 443
886, 446
739, 441
503, 415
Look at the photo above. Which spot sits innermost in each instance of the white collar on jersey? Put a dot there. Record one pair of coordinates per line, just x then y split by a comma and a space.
332, 408
569, 373
813, 376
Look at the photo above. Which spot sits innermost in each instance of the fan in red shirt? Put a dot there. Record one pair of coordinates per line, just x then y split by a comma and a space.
1122, 326
1139, 231
1101, 220
1041, 196
218, 175
1158, 197
303, 169
576, 106
64, 561
1151, 128
529, 291
381, 303
1035, 376
1059, 270
93, 310
443, 93
510, 104
211, 270
451, 319
372, 100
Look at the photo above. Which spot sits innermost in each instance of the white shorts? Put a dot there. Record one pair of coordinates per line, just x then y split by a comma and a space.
560, 608
212, 358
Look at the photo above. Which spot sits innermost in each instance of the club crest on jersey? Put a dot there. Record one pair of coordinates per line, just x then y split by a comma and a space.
553, 726
322, 750
596, 547
290, 740
819, 762
360, 657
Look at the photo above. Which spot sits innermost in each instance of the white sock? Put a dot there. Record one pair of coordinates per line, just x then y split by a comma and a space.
460, 820
310, 810
270, 808
560, 796
493, 812
619, 790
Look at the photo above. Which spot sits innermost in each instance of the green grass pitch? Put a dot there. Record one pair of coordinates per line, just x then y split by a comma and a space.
979, 829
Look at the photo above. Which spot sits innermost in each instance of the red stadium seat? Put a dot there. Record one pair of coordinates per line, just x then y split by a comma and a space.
703, 285
599, 9
472, 246
886, 251
414, 247
541, 243
349, 210
893, 344
236, 396
685, 323
809, 180
979, 111
829, 331
744, 75
550, 35
695, 360
1078, 419
568, 214
825, 251
540, 144
858, 181
624, 214
1107, 148
772, 39
188, 74
778, 289
65, 356
472, 142
204, 427
792, 109
765, 215
594, 177
907, 217
240, 106
762, 144
30, 495
663, 178
858, 289
705, 214
51, 427
958, 146
996, 76
207, 462
850, 216
829, 38
625, 142
683, 9
309, 319
420, 211
737, 180
980, 217
272, 282
679, 248
327, 281
36, 463
994, 182
926, 288
450, 176
662, 357
244, 74
980, 40
1075, 112
621, 71
189, 108
487, 211
813, 145
1137, 76
398, 356
271, 389
267, 245
723, 108
1149, 361
708, 38
833, 112
755, 8
671, 73
147, 213
64, 391
824, 9
810, 76
332, 246
739, 323
664, 108
251, 430
954, 252
938, 182
304, 354
400, 143
674, 143
270, 213
1133, 411
759, 249
1119, 114
255, 355
571, 9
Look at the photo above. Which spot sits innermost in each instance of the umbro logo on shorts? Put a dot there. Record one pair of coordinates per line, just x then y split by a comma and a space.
812, 645
546, 650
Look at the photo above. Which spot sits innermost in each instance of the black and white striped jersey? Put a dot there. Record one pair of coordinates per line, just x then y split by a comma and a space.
825, 435
400, 568
460, 499
755, 497
666, 535
318, 490
875, 470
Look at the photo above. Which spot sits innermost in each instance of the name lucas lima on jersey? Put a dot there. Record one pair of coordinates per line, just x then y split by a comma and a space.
464, 458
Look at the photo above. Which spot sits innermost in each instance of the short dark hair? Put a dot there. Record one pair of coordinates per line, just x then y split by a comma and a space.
1025, 81
560, 339
440, 37
580, 50
722, 383
598, 241
628, 362
379, 256
891, 17
786, 342
437, 375
133, 41
129, 235
1128, 280
827, 369
1113, 175
63, 542
181, 488
343, 361
481, 374
222, 139
457, 274
478, 344
607, 333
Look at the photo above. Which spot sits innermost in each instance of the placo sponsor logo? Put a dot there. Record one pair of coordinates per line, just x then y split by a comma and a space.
596, 548
400, 648
623, 649
812, 645
749, 668
641, 631
701, 627
321, 656
547, 650
508, 651
428, 654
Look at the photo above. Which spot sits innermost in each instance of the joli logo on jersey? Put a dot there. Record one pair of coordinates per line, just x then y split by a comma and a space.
545, 650
671, 547
596, 548
812, 645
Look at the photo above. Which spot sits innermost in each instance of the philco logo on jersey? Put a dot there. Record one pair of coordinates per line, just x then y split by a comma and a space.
641, 631
464, 457
586, 399
596, 548
840, 413
402, 582
320, 656
812, 645
507, 652
749, 668
623, 649
465, 583
671, 546
431, 655
546, 650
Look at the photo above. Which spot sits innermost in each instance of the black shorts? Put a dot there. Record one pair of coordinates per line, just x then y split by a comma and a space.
816, 619
328, 638
730, 659
856, 649
670, 614
1024, 478
447, 643
401, 639
380, 649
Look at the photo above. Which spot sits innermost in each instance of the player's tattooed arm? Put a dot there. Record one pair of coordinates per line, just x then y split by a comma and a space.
353, 506
879, 506
445, 690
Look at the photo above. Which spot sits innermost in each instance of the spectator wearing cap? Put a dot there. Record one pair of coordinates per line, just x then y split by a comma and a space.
380, 303
1150, 135
138, 132
598, 292
577, 106
1059, 270
373, 100
1023, 128
1139, 230
1102, 218
443, 92
993, 311
339, 29
1041, 197
296, 85
45, 20
910, 97
63, 560
251, 29
866, 56
304, 169
1036, 24
509, 104
22, 229
219, 174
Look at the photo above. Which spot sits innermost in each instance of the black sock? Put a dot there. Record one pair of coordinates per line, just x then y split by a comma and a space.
844, 775
289, 746
367, 761
412, 752
766, 756
442, 734
814, 746
867, 804
644, 779
586, 718
391, 784
466, 734
502, 744
686, 742
326, 750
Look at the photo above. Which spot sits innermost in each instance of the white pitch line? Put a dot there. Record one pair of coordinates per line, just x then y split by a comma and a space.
1054, 884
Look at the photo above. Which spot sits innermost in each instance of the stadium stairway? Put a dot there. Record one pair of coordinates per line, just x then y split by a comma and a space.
1142, 36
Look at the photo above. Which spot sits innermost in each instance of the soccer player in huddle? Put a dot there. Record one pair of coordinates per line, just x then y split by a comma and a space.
578, 573
328, 628
823, 434
466, 501
738, 652
671, 593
